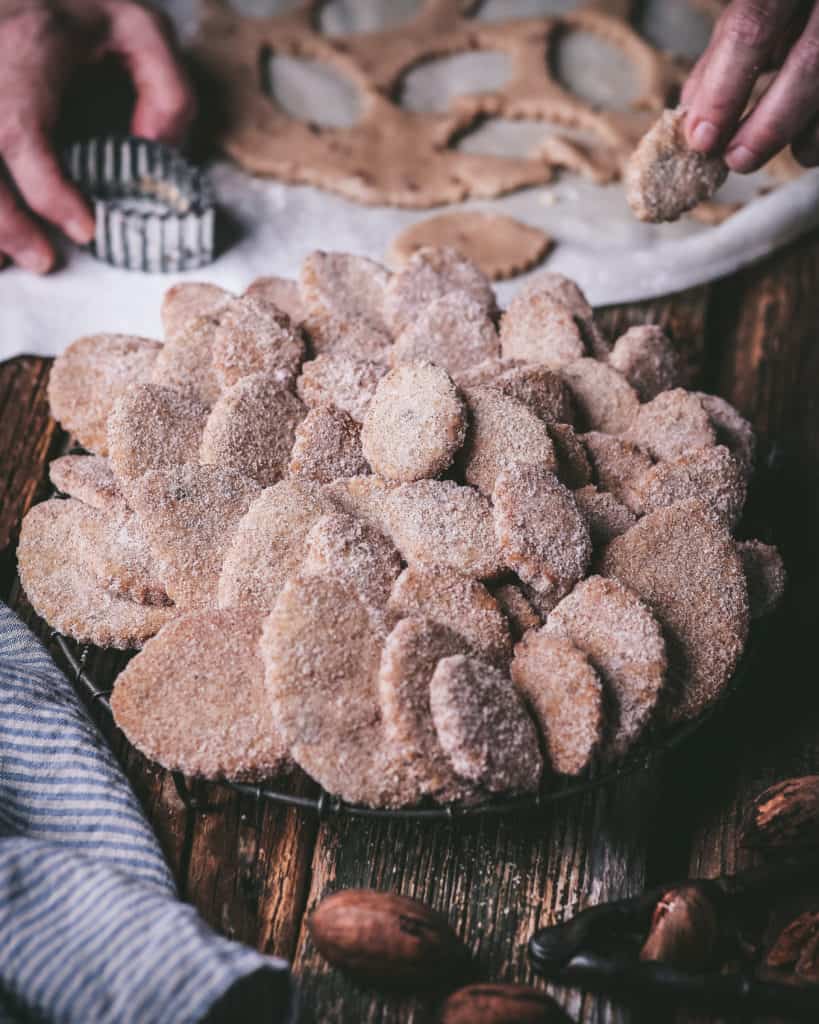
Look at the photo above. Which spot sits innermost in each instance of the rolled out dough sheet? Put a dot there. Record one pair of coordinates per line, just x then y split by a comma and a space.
599, 244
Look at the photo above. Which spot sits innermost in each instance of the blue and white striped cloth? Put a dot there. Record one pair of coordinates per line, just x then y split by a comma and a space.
91, 929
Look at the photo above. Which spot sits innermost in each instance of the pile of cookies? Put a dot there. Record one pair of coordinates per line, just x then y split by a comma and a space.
366, 524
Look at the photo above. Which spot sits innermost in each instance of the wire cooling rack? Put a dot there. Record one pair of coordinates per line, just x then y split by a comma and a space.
647, 754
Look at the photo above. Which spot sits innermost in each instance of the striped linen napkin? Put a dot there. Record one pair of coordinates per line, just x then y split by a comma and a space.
91, 929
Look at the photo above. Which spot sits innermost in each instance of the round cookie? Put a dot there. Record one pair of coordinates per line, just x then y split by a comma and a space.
153, 427
194, 700
454, 332
427, 275
461, 604
414, 425
327, 446
683, 563
187, 300
671, 424
252, 429
732, 430
622, 640
710, 474
604, 399
573, 466
321, 646
279, 292
88, 478
617, 465
483, 726
185, 361
539, 389
338, 380
765, 574
645, 356
252, 337
540, 530
605, 516
339, 284
353, 337
518, 609
189, 515
269, 543
537, 328
365, 497
565, 696
502, 432
90, 375
62, 589
566, 291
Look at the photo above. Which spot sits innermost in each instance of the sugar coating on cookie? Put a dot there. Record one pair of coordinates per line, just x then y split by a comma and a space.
153, 427
539, 389
429, 274
671, 424
461, 604
268, 545
187, 300
415, 423
252, 428
520, 613
342, 285
664, 178
354, 337
710, 474
647, 359
573, 466
623, 641
565, 696
732, 429
605, 516
194, 700
684, 564
89, 478
439, 522
62, 589
327, 445
537, 328
617, 465
540, 530
410, 656
569, 293
321, 646
280, 292
341, 381
454, 332
604, 399
363, 496
252, 337
502, 432
765, 574
345, 549
90, 375
189, 515
185, 361
483, 726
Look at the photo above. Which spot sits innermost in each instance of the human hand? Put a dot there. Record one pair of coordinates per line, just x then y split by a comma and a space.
41, 44
750, 38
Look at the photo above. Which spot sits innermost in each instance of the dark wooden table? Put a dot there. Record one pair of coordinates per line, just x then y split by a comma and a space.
255, 872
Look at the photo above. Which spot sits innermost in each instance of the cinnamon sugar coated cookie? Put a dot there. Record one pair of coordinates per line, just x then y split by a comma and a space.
342, 285
617, 465
605, 516
341, 381
194, 700
684, 564
731, 429
429, 274
414, 425
765, 575
327, 446
568, 292
604, 399
483, 726
518, 609
353, 337
671, 424
623, 641
89, 478
565, 696
710, 474
87, 379
187, 300
280, 292
537, 387
62, 589
664, 178
454, 332
538, 328
463, 605
647, 359
185, 361
540, 530
253, 337
573, 466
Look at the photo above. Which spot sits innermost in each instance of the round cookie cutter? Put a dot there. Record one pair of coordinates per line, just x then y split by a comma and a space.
154, 210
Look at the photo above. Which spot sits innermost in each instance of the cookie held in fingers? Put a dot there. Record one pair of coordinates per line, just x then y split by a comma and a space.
252, 337
647, 359
194, 700
671, 424
454, 332
623, 641
765, 574
710, 474
414, 425
565, 696
339, 380
89, 479
483, 726
683, 563
321, 646
63, 590
327, 446
604, 399
87, 379
187, 300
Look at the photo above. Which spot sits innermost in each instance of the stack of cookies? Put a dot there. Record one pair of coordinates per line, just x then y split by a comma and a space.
365, 524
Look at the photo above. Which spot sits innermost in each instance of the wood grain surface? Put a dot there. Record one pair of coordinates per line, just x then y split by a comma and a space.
256, 871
